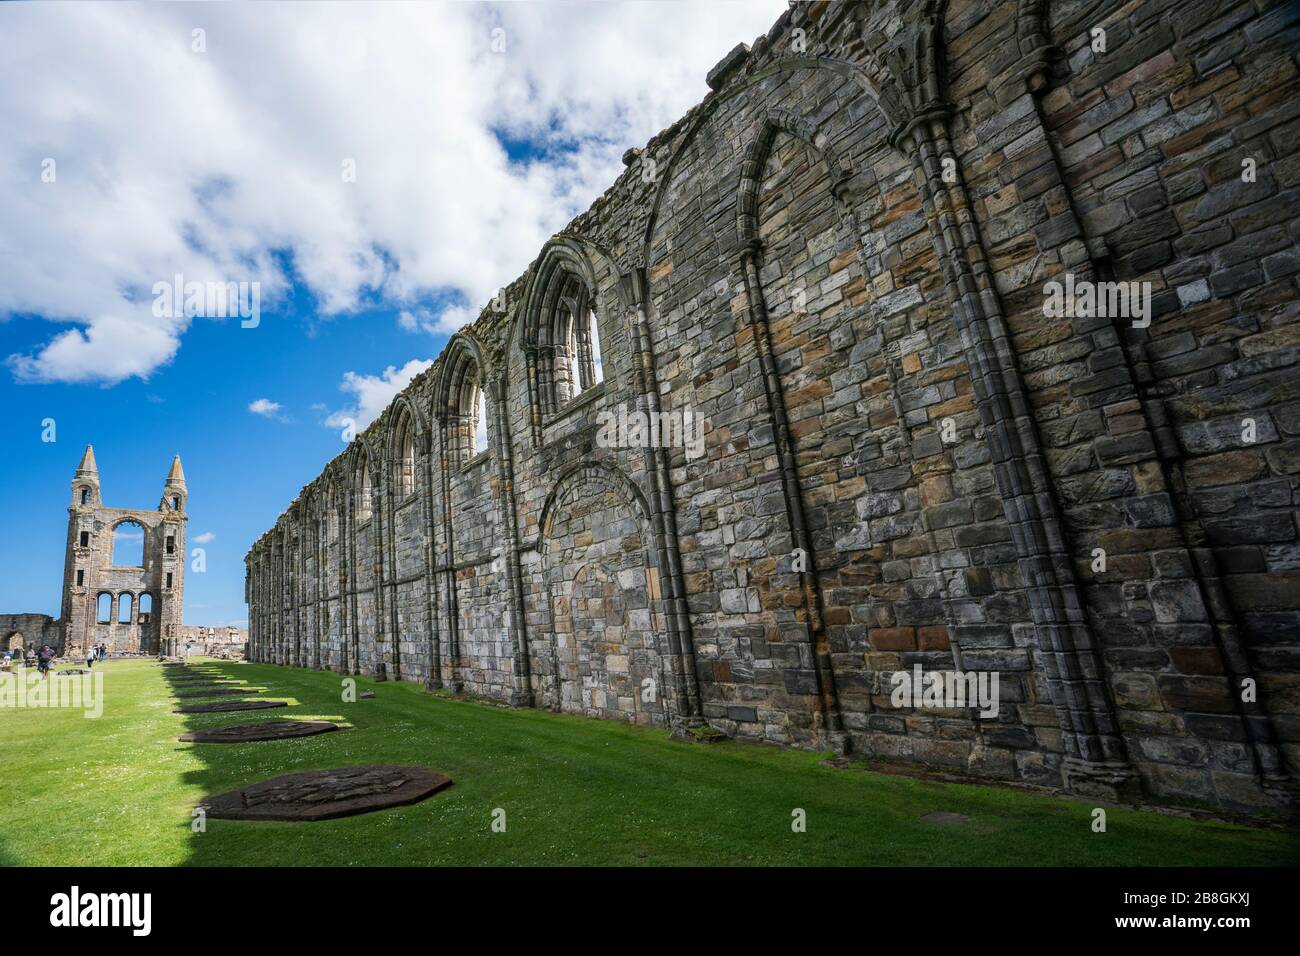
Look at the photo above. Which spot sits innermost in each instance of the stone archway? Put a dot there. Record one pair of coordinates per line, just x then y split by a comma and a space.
607, 663
14, 642
832, 402
603, 656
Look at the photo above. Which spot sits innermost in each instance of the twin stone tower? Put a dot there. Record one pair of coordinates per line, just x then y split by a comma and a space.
134, 607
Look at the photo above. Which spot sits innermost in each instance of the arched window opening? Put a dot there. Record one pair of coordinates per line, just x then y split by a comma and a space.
125, 604
568, 342
176, 502
468, 422
365, 493
128, 545
461, 405
584, 350
145, 611
404, 465
85, 495
480, 427
104, 609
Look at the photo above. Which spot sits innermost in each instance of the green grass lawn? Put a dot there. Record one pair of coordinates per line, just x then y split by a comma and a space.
118, 791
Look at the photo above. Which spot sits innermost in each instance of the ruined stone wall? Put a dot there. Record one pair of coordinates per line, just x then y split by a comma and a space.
18, 632
841, 262
230, 643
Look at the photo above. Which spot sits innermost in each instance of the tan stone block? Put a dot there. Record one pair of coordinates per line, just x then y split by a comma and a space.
892, 638
1190, 94
1226, 468
1002, 200
936, 489
933, 638
1150, 90
1156, 66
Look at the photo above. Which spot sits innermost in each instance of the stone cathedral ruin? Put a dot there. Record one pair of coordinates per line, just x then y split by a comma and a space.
129, 599
847, 261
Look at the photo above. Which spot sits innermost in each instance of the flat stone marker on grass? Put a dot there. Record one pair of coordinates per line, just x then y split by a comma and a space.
196, 679
327, 794
267, 730
222, 707
215, 692
944, 817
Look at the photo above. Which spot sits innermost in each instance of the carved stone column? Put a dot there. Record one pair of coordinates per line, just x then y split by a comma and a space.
1096, 761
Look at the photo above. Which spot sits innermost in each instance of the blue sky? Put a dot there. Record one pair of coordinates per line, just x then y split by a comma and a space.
242, 469
380, 174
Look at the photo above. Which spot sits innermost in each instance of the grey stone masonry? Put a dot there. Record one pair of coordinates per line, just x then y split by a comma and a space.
133, 609
801, 405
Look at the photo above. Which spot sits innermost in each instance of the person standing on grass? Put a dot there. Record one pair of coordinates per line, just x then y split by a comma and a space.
91, 653
44, 660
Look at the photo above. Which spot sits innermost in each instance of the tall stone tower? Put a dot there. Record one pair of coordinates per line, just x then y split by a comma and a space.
135, 606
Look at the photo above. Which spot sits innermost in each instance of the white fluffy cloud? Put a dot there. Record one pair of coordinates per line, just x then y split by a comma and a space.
266, 408
372, 393
204, 538
224, 165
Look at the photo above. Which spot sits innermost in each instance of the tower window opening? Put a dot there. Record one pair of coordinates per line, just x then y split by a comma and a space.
128, 545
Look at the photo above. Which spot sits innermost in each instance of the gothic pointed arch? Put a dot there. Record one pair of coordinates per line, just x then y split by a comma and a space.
602, 640
406, 437
776, 120
558, 325
362, 481
460, 400
885, 104
587, 474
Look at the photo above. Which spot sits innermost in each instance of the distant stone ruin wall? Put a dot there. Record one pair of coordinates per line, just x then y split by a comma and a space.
869, 263
230, 643
18, 632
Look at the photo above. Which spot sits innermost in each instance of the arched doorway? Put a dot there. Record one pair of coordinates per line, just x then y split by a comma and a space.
14, 642
606, 665
606, 658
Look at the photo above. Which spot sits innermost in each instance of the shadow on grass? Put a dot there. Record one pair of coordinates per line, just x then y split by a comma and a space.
576, 791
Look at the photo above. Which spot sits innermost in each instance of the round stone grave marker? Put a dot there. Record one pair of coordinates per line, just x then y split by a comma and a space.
267, 730
222, 706
327, 794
